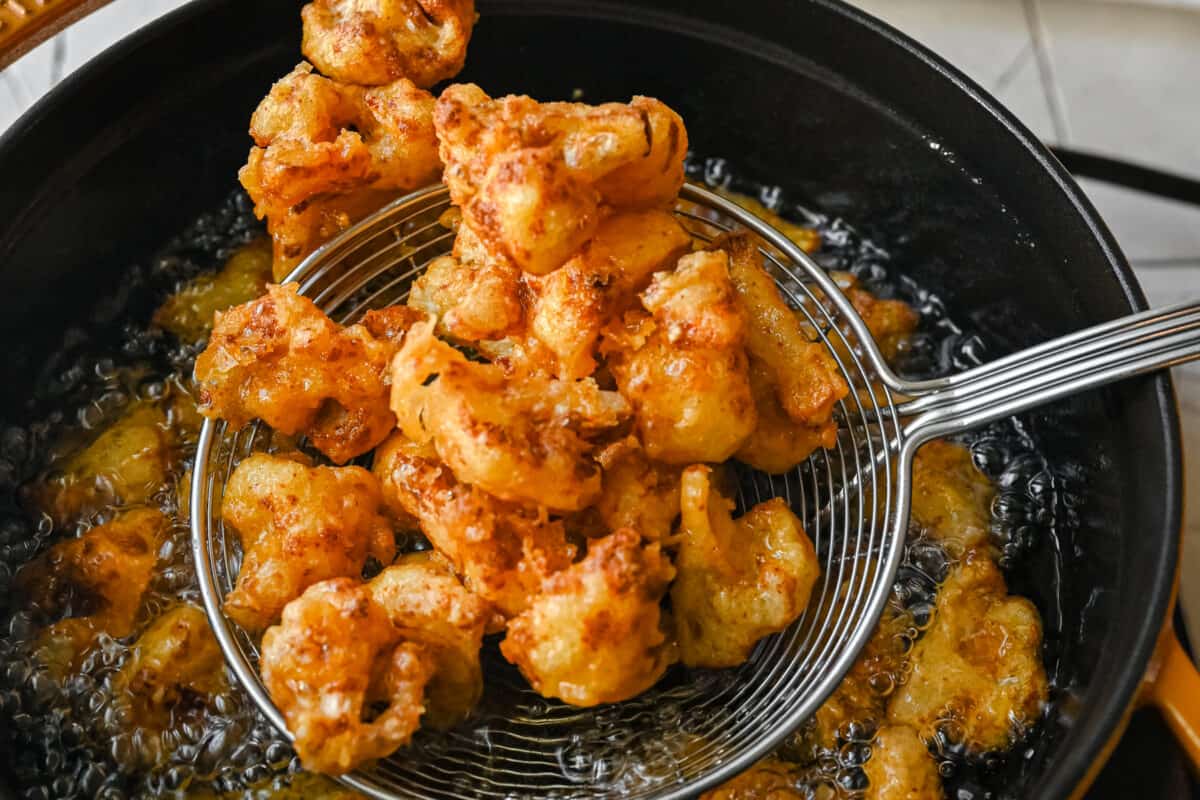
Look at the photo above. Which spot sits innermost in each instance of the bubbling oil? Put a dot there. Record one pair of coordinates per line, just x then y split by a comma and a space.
77, 737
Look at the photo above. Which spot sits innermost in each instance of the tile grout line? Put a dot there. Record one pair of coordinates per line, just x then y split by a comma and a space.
1010, 73
1045, 68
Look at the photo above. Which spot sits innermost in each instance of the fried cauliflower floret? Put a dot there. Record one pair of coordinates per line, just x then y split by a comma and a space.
683, 367
951, 498
889, 321
429, 605
594, 634
738, 581
804, 237
176, 665
125, 464
371, 42
93, 583
769, 779
900, 767
190, 311
502, 551
335, 657
299, 525
523, 439
778, 443
281, 360
534, 179
806, 377
977, 673
636, 492
328, 153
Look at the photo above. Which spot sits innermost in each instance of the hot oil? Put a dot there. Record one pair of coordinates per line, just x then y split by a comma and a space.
74, 738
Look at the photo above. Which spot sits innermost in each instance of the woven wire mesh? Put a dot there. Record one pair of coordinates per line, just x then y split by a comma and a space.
696, 727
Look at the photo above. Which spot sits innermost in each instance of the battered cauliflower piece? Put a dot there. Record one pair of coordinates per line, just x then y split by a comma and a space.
523, 439
534, 180
769, 779
372, 42
281, 360
738, 581
635, 493
778, 443
299, 525
335, 657
328, 153
93, 583
900, 767
977, 673
889, 321
429, 605
804, 237
190, 311
595, 633
175, 666
126, 464
806, 377
951, 498
502, 551
683, 367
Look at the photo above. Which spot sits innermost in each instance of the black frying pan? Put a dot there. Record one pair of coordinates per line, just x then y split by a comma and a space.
841, 110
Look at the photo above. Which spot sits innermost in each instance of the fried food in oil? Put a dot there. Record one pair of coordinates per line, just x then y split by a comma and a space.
502, 551
372, 42
190, 311
807, 239
594, 634
281, 360
429, 605
332, 659
951, 498
524, 440
889, 321
977, 673
683, 367
778, 443
328, 153
769, 779
806, 377
534, 179
738, 580
900, 767
126, 464
299, 525
636, 492
176, 664
93, 583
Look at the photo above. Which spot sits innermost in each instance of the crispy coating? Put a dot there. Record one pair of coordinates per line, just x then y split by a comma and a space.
328, 153
806, 377
522, 439
804, 237
125, 464
769, 779
738, 581
281, 360
951, 498
429, 605
900, 767
778, 443
189, 312
683, 367
594, 634
334, 656
176, 665
636, 493
372, 42
889, 321
502, 551
93, 583
977, 673
534, 179
299, 525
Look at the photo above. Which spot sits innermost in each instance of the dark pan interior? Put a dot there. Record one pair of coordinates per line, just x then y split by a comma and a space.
842, 112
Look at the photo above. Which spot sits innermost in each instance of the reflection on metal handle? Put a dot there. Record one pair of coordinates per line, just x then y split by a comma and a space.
27, 23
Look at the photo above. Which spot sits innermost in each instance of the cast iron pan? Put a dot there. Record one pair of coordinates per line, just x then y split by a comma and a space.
844, 112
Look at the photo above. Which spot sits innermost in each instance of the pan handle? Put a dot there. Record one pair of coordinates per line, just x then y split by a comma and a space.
27, 23
1173, 684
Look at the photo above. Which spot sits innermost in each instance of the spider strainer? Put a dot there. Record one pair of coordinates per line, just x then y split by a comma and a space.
696, 728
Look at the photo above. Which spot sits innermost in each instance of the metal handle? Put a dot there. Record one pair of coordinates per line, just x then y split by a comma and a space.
1084, 360
25, 24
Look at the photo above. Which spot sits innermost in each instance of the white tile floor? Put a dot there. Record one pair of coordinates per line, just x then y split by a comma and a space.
1118, 78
